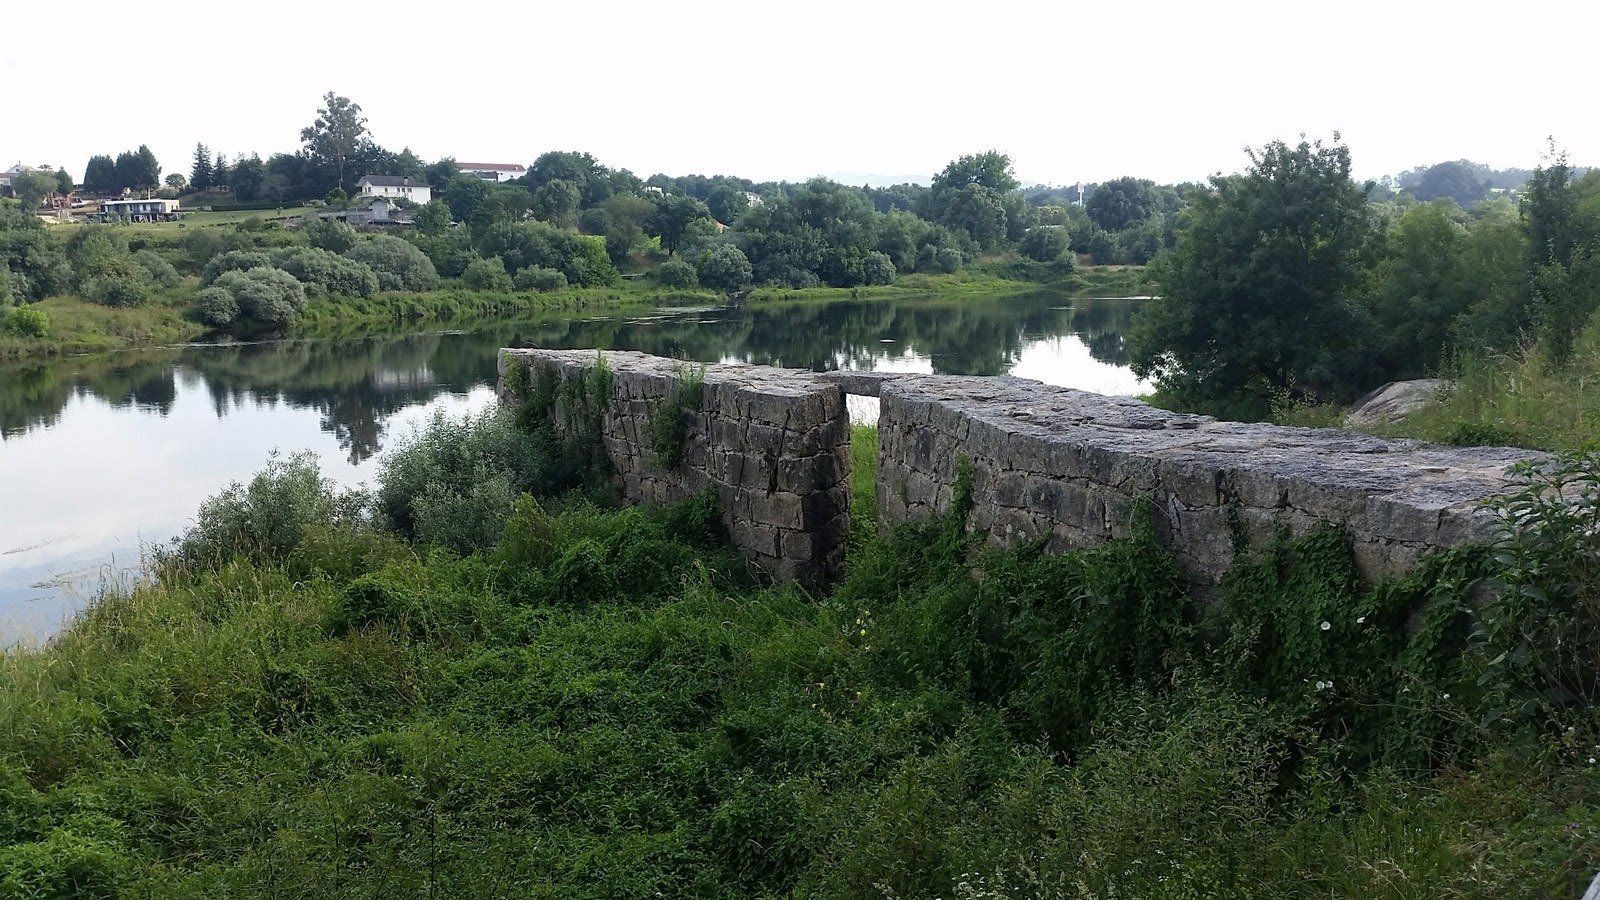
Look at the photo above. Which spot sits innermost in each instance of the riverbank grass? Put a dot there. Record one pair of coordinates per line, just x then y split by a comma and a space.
79, 326
314, 697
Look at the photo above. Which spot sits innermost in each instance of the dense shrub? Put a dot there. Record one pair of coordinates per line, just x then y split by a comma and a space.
117, 291
330, 273
270, 515
215, 306
451, 483
581, 258
948, 259
264, 295
725, 268
1045, 243
538, 278
877, 268
677, 273
400, 266
487, 275
232, 261
25, 321
329, 234
157, 270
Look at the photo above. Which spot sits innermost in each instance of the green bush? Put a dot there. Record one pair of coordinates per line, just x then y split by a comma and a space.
487, 275
269, 517
538, 278
115, 291
677, 273
451, 483
1045, 243
329, 272
725, 268
329, 234
399, 265
26, 321
232, 261
157, 270
877, 268
265, 295
216, 306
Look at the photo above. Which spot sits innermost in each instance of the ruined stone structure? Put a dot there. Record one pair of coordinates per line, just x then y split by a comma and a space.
774, 444
1072, 468
1044, 463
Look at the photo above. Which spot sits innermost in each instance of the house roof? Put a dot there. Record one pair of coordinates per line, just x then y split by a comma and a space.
392, 181
491, 167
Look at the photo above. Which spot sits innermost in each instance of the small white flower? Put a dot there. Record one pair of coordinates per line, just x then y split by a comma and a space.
1322, 685
1361, 620
1447, 696
1591, 760
1326, 625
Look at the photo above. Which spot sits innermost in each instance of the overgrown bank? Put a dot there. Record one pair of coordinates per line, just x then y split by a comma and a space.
449, 689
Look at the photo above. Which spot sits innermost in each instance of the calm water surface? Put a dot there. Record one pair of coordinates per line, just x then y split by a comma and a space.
103, 456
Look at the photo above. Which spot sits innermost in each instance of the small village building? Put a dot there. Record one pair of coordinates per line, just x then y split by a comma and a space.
496, 172
376, 211
146, 210
394, 187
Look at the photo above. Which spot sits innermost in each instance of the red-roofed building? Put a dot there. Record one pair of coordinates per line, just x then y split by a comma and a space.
496, 172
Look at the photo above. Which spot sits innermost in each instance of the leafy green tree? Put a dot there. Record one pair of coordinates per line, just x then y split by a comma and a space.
438, 174
100, 177
671, 219
1122, 203
1459, 180
433, 217
970, 195
1256, 297
725, 268
37, 264
338, 134
487, 275
1045, 243
337, 197
1423, 282
581, 170
557, 202
726, 203
33, 188
146, 170
177, 181
246, 177
64, 185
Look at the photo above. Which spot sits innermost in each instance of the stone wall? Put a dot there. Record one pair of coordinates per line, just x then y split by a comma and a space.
1070, 466
774, 444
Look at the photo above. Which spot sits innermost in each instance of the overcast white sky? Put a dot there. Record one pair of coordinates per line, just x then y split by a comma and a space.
1073, 91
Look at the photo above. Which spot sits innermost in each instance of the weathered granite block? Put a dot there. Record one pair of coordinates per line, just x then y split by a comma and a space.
1074, 466
774, 445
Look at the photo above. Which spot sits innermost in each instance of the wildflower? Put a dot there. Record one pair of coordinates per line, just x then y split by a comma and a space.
1591, 760
1326, 625
1447, 696
1361, 620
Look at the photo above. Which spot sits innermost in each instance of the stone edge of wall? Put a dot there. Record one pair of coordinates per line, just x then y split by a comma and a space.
774, 445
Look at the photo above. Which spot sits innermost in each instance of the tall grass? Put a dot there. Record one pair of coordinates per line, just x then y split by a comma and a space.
599, 702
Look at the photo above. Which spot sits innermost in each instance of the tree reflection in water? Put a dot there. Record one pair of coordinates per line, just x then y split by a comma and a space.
356, 383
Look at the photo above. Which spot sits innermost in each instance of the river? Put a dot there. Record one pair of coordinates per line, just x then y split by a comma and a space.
104, 456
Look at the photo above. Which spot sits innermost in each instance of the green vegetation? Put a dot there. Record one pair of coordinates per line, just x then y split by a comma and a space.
317, 694
1289, 289
669, 423
77, 326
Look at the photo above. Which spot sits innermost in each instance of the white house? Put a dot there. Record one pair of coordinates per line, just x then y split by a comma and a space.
147, 210
496, 172
394, 187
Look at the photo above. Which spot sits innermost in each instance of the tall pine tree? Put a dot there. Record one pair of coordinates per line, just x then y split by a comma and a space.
200, 177
219, 172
